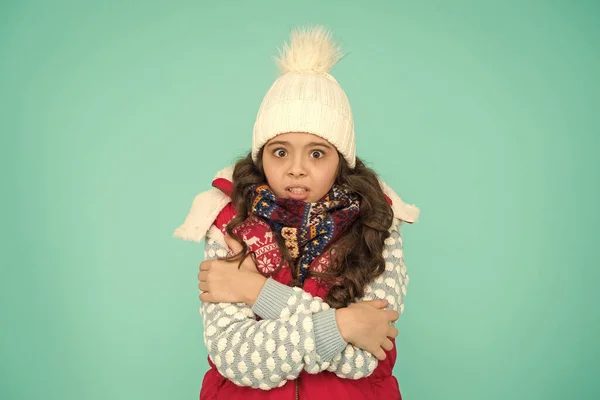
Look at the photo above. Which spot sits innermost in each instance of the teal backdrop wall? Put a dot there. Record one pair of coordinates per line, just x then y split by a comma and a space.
115, 114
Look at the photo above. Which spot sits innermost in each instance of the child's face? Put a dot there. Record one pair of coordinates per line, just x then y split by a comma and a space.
300, 166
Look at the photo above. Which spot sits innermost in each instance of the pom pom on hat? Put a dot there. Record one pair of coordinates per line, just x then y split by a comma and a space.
310, 50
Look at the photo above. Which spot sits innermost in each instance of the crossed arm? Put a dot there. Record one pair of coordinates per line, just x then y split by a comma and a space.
297, 331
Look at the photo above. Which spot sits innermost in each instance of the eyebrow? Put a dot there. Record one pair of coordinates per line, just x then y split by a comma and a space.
311, 144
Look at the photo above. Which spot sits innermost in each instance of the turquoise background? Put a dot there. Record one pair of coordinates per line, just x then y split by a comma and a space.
114, 115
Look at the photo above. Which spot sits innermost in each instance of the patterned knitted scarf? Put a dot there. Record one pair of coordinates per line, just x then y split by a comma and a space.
307, 228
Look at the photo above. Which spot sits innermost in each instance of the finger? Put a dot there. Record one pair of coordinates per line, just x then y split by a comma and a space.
382, 303
387, 345
203, 276
205, 266
249, 263
392, 315
205, 297
392, 332
203, 286
377, 303
379, 353
233, 245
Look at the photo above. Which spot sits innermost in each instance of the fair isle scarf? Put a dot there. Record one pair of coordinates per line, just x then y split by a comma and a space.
307, 228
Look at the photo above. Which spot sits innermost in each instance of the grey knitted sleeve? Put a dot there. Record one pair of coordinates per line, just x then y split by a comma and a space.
261, 354
346, 360
297, 331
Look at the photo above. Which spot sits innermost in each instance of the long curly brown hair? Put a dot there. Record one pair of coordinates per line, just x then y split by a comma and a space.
358, 258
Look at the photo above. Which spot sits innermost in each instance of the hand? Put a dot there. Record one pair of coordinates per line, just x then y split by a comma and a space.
224, 281
236, 248
366, 325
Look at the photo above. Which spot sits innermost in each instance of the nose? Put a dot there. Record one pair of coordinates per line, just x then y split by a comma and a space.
297, 169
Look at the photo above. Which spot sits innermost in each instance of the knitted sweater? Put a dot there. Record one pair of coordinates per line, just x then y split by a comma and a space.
297, 331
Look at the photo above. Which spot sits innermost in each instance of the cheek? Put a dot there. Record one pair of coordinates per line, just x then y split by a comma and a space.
273, 177
328, 173
268, 168
332, 171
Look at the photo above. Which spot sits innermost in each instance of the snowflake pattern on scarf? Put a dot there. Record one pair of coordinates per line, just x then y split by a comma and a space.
307, 228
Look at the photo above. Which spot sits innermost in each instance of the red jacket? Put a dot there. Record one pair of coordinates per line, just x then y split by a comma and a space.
324, 385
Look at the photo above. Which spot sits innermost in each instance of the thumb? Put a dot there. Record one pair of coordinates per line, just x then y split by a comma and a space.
377, 303
233, 245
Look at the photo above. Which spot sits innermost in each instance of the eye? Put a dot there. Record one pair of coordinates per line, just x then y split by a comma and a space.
317, 154
280, 153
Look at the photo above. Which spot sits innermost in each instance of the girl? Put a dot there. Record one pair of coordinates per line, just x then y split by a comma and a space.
303, 274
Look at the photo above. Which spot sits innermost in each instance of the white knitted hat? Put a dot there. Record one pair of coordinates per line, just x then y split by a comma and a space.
306, 98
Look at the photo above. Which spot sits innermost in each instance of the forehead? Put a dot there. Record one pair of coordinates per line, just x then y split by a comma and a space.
300, 139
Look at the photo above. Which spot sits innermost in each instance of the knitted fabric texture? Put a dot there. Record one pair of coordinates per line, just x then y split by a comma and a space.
298, 331
307, 228
207, 205
306, 98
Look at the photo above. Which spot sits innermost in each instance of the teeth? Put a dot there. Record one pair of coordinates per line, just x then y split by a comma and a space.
297, 190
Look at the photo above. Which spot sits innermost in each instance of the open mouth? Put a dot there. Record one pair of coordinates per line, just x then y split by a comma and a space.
297, 192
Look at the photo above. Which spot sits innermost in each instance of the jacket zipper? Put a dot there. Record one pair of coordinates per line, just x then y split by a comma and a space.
297, 394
